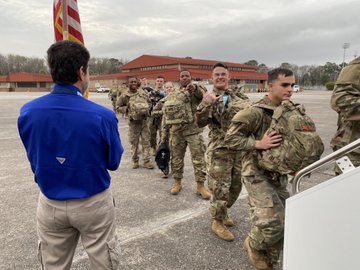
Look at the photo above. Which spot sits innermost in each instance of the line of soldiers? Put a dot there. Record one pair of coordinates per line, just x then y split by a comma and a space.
238, 132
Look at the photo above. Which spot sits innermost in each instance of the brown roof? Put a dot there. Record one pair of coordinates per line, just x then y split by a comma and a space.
155, 60
26, 77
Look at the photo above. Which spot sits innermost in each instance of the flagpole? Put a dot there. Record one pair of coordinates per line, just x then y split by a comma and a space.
64, 19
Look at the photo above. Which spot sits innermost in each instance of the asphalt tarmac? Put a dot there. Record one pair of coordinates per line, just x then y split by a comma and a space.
157, 230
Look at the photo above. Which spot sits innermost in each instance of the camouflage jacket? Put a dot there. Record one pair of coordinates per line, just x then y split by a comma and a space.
157, 109
195, 98
217, 116
246, 127
345, 100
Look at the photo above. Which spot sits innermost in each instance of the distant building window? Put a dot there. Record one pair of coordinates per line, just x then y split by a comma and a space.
42, 84
26, 84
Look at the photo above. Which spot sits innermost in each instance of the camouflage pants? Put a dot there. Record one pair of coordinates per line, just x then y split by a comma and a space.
139, 129
155, 127
267, 213
178, 143
224, 180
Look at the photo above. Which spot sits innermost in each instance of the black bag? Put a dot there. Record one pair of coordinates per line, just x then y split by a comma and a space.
162, 157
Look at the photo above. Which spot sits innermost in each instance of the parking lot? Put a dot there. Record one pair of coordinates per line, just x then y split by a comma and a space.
156, 230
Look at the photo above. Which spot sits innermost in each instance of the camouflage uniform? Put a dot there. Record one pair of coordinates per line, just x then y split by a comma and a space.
155, 120
266, 190
137, 128
157, 112
223, 164
114, 94
182, 135
345, 100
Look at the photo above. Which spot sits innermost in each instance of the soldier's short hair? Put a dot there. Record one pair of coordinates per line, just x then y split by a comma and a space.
220, 64
274, 74
183, 70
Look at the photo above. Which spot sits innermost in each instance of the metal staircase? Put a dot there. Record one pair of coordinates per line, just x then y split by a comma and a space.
322, 224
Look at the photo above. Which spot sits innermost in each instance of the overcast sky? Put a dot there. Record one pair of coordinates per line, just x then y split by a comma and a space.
301, 32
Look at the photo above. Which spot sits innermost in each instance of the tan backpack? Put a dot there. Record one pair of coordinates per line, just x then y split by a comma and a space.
176, 108
301, 145
138, 107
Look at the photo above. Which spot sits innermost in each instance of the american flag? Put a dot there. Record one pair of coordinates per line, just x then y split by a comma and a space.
73, 21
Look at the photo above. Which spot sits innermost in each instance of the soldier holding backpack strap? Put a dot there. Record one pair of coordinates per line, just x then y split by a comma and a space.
223, 165
255, 131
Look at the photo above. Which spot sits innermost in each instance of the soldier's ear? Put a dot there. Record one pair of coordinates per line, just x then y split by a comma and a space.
270, 87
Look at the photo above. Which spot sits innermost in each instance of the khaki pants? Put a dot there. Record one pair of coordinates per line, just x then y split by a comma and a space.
60, 224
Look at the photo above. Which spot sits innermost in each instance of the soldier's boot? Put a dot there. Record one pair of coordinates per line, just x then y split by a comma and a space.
201, 191
148, 165
256, 258
228, 221
135, 165
176, 187
220, 230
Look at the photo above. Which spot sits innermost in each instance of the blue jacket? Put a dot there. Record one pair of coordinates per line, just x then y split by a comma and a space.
71, 143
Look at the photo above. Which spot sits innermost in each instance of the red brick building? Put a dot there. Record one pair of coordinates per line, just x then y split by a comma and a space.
23, 82
151, 66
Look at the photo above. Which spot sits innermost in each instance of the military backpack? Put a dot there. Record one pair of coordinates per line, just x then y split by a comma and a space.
177, 109
301, 145
138, 107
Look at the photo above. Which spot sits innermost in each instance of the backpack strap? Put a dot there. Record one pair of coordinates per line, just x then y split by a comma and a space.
269, 110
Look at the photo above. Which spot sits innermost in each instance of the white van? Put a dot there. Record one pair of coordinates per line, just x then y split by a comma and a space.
296, 88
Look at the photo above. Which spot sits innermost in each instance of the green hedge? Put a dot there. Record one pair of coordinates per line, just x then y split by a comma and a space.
330, 86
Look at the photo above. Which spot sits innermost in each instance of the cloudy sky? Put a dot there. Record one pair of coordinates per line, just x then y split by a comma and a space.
270, 31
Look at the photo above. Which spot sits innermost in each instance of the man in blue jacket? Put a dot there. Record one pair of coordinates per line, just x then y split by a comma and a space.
71, 144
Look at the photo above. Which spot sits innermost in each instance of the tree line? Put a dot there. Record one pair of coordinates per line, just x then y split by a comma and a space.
307, 75
16, 63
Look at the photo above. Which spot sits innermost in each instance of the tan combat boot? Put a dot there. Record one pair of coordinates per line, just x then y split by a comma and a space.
228, 221
148, 165
201, 191
176, 187
135, 165
256, 258
220, 230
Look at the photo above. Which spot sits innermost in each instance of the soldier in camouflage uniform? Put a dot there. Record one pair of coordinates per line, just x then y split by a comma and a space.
113, 96
345, 100
185, 133
266, 190
223, 164
155, 121
115, 93
138, 126
157, 112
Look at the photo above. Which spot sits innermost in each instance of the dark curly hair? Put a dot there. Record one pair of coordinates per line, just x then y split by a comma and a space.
65, 58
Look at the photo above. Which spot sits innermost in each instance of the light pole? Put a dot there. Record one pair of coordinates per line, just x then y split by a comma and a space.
345, 46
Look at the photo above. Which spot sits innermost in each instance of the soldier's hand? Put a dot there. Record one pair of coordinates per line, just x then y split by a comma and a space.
210, 98
269, 140
191, 87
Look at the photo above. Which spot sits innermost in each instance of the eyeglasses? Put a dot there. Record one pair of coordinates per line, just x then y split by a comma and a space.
285, 85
